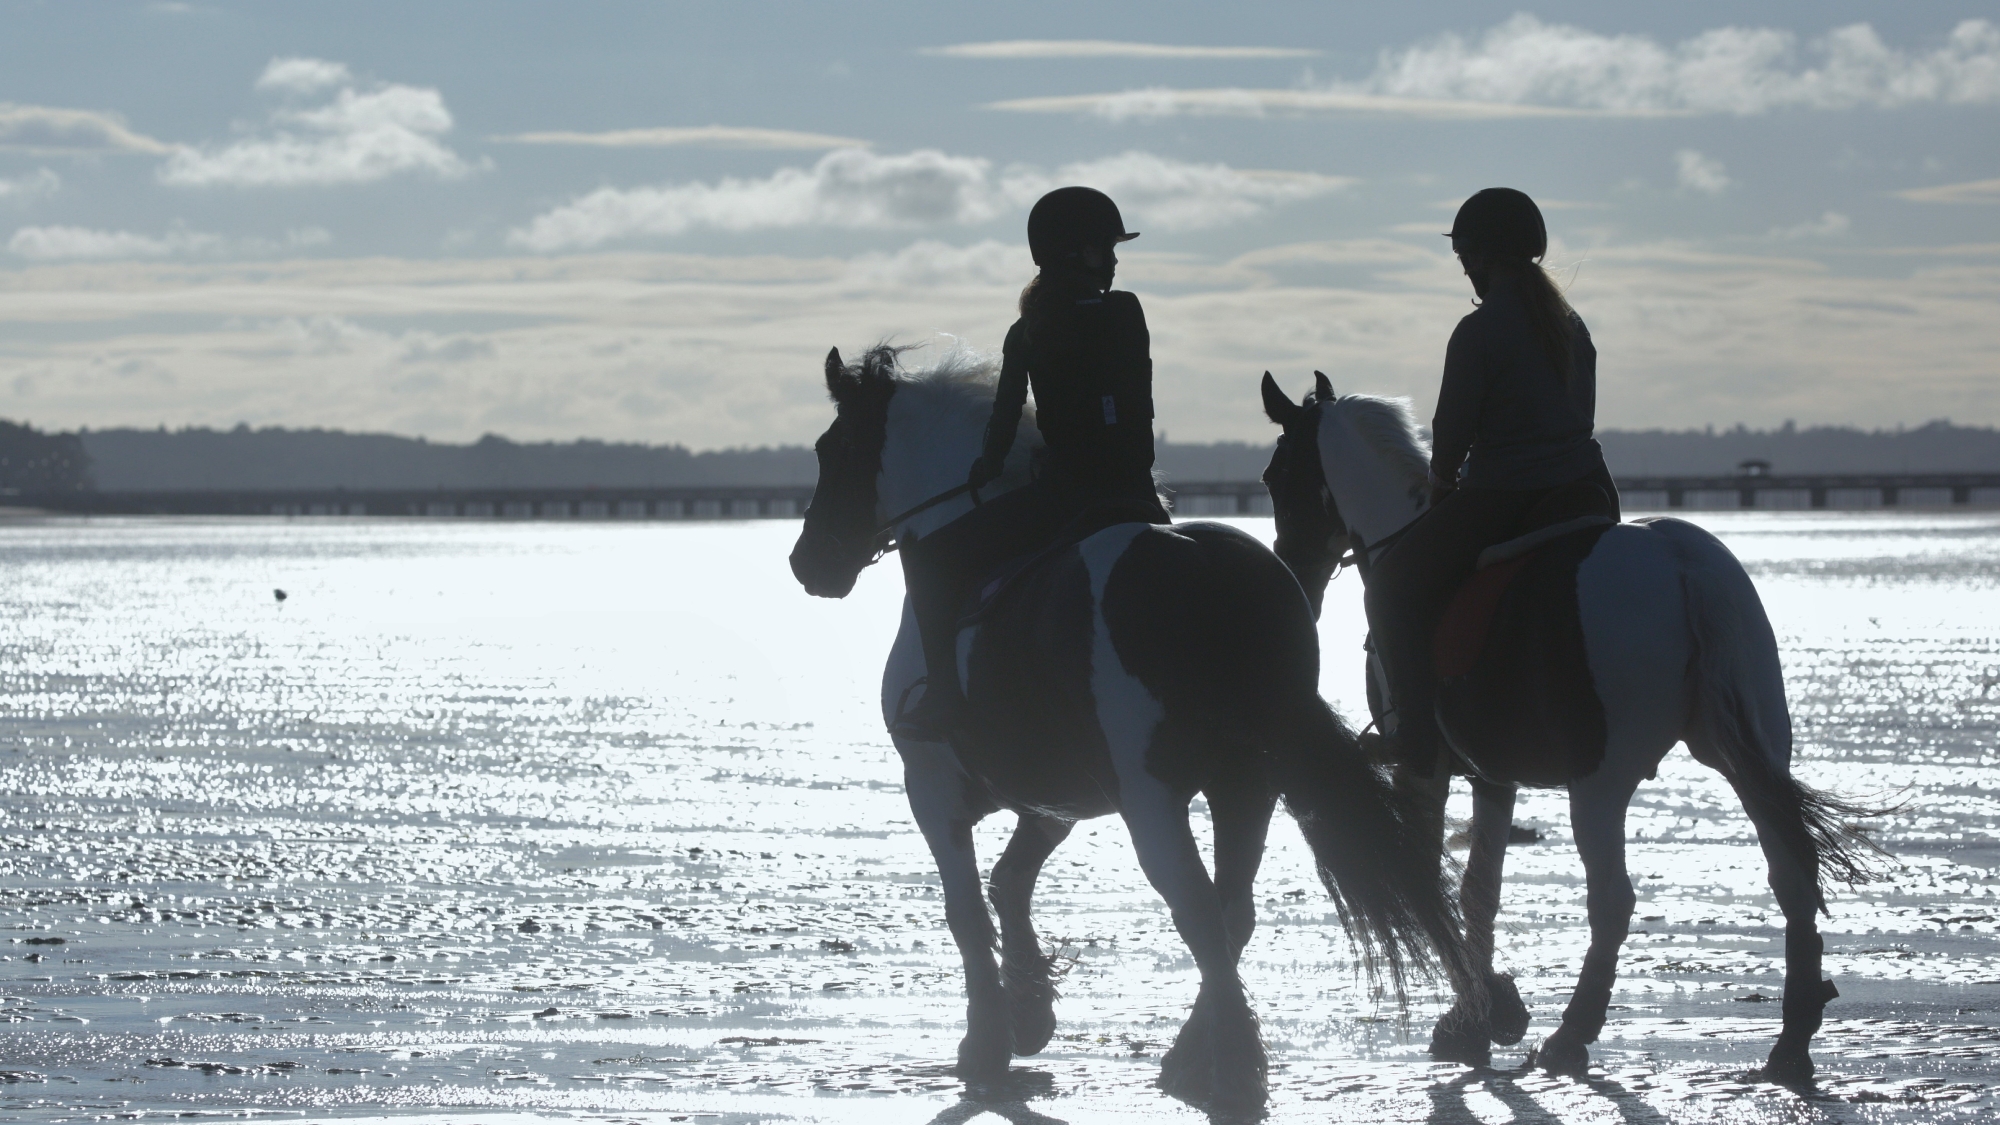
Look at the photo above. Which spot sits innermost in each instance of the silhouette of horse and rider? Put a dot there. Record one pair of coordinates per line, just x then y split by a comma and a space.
1068, 652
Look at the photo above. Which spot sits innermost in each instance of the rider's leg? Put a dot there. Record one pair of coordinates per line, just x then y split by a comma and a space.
939, 571
1406, 591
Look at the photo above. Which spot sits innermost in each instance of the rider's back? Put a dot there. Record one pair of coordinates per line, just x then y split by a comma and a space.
1504, 407
1088, 355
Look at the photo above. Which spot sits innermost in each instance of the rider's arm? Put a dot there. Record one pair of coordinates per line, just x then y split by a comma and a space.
1457, 417
1008, 398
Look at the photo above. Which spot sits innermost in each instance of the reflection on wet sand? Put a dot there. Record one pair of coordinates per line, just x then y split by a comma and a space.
500, 823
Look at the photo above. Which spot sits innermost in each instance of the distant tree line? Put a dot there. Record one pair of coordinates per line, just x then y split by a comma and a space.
32, 461
246, 458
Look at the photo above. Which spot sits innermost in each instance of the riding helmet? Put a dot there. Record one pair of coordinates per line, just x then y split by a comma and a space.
1068, 219
1502, 222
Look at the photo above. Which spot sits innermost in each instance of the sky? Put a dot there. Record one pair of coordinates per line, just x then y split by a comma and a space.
649, 221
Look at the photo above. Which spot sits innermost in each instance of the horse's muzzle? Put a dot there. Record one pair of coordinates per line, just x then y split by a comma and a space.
818, 564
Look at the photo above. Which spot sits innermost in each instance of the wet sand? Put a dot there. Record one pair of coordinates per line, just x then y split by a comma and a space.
518, 822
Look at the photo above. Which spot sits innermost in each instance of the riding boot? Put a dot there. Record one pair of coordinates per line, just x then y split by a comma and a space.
936, 596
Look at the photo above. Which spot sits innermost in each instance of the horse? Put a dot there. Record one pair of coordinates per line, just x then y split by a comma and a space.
1122, 673
1675, 646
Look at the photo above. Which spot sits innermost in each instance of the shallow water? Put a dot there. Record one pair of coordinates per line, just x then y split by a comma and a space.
521, 821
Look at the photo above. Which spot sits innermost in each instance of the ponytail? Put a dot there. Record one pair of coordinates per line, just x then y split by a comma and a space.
1549, 313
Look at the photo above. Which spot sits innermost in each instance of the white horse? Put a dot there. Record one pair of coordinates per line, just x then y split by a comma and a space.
1675, 646
1122, 674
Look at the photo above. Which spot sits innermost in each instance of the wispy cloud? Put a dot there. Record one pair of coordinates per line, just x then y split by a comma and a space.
65, 243
1828, 225
1975, 191
359, 136
855, 188
36, 185
1162, 101
1696, 172
704, 136
1525, 66
1108, 49
43, 128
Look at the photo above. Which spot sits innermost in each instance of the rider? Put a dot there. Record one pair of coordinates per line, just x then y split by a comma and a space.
1084, 348
1514, 421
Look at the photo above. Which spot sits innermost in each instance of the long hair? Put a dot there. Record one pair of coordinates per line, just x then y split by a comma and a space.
1549, 313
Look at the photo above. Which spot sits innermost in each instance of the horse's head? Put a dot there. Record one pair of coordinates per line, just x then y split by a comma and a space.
842, 522
1311, 532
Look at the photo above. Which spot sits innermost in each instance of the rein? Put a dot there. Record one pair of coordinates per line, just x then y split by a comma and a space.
885, 536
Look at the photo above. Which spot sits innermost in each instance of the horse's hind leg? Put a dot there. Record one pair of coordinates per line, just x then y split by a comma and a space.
1466, 1032
1218, 1058
1241, 816
941, 798
1795, 881
1597, 817
1024, 967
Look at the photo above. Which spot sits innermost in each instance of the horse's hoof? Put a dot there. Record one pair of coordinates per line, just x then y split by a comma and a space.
1788, 1065
1031, 1010
983, 1057
1506, 1014
1185, 1072
1460, 1038
1559, 1054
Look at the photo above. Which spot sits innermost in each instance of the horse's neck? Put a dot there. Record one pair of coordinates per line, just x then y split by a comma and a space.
1376, 494
929, 451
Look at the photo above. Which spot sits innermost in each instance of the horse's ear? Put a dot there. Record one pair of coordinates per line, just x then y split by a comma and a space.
1277, 407
838, 381
1323, 386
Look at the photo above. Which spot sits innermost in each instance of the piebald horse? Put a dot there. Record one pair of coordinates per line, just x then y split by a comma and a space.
1124, 674
1676, 647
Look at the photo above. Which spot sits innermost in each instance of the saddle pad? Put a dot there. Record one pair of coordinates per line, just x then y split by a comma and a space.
1516, 698
1461, 632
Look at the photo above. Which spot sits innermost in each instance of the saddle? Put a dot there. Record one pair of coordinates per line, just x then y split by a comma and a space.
1515, 698
1003, 578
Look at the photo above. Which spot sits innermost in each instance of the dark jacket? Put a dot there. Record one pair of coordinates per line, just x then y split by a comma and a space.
1087, 355
1504, 412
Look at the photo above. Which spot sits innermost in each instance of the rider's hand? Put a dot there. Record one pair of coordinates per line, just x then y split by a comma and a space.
984, 472
1441, 488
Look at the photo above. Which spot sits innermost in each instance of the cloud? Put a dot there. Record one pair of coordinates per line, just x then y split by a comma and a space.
1828, 225
43, 128
52, 243
706, 136
58, 243
42, 182
1976, 191
1107, 49
854, 188
1704, 174
1160, 101
303, 76
572, 343
1175, 195
359, 136
1525, 67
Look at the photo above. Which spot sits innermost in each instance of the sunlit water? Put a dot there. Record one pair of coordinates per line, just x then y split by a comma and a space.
503, 821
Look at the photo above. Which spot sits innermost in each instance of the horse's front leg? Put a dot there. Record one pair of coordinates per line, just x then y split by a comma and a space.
1597, 817
1030, 992
946, 806
1466, 1032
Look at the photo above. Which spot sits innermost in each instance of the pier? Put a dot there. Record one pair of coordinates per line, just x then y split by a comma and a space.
1755, 490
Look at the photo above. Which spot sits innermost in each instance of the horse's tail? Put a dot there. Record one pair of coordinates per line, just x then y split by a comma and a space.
1381, 859
1738, 722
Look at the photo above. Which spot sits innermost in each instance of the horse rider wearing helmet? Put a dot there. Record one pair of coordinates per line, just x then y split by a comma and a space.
1084, 348
1514, 421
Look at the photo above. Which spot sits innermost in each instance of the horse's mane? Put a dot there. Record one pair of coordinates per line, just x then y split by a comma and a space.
960, 378
1390, 429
